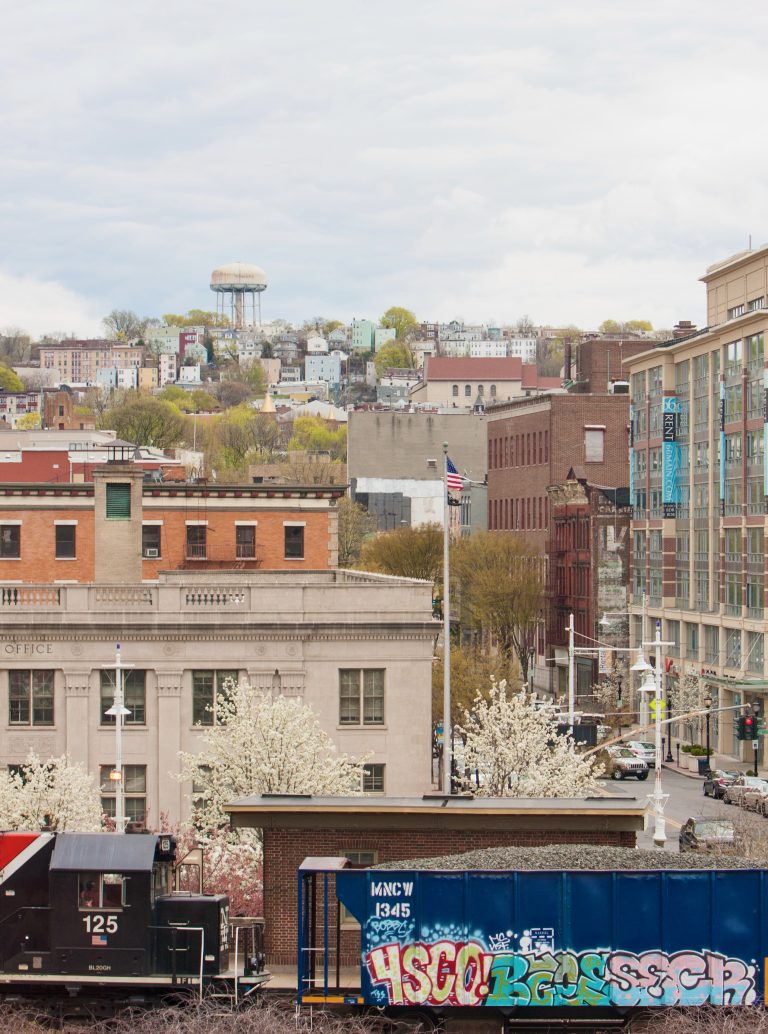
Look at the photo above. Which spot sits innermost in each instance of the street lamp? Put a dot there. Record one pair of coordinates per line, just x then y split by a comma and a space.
119, 711
708, 705
756, 741
653, 684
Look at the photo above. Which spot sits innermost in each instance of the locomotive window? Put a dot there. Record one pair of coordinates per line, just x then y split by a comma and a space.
101, 890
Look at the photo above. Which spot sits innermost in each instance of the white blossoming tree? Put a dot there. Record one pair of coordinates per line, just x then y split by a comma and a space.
260, 743
55, 794
687, 695
517, 751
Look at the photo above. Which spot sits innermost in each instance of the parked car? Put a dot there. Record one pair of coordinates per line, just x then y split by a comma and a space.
707, 834
717, 781
622, 763
734, 793
644, 750
753, 798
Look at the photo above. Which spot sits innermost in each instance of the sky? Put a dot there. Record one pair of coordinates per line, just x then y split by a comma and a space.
569, 161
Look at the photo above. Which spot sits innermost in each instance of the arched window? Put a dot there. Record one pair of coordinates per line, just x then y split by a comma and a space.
480, 390
493, 391
455, 391
468, 390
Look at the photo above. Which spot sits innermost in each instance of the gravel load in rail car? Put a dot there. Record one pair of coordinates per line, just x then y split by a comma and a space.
570, 857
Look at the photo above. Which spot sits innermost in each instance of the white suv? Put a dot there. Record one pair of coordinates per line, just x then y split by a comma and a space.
644, 750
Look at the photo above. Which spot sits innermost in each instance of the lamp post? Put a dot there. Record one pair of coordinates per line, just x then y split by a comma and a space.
619, 700
708, 705
653, 684
118, 711
756, 740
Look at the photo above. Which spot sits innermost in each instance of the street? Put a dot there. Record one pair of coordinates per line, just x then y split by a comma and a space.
687, 800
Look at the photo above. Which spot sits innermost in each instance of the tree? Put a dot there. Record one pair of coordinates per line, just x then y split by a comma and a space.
124, 325
195, 318
312, 468
9, 381
500, 580
687, 694
55, 794
355, 524
232, 393
145, 420
525, 326
640, 325
402, 321
393, 354
313, 434
406, 552
517, 751
28, 422
608, 693
610, 327
471, 667
330, 325
15, 345
260, 743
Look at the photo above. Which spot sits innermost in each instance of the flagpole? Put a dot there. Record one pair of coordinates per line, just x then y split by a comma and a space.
447, 728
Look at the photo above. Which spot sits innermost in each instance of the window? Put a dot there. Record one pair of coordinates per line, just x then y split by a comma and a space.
737, 310
100, 890
206, 686
373, 778
756, 303
692, 641
455, 391
30, 698
10, 541
134, 696
65, 541
150, 540
673, 635
134, 792
481, 390
711, 644
468, 390
361, 696
196, 541
493, 391
294, 541
245, 541
118, 502
733, 648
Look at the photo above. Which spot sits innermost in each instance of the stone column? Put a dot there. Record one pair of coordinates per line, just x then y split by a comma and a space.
169, 795
79, 716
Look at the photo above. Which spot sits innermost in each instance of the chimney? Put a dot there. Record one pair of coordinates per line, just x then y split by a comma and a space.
683, 328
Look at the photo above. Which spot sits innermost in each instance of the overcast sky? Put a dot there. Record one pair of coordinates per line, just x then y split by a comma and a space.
570, 160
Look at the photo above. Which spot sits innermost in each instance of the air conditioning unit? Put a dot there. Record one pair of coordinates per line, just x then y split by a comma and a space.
151, 553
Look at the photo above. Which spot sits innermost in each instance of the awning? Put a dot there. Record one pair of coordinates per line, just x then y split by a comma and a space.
104, 852
736, 684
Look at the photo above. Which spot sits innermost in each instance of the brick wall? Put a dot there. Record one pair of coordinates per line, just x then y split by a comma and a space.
37, 561
534, 443
285, 850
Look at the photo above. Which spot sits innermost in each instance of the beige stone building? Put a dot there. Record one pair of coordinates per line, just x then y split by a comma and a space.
451, 381
355, 647
698, 485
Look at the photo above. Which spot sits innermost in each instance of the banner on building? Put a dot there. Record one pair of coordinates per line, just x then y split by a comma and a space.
670, 456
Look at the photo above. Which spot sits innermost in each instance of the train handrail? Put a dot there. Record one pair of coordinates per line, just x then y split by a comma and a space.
193, 929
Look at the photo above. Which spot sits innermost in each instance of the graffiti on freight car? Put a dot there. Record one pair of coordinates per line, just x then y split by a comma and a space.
449, 972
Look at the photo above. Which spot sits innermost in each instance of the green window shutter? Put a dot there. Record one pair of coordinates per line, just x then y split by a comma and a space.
119, 502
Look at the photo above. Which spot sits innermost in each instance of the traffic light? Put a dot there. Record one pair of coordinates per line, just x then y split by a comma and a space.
746, 728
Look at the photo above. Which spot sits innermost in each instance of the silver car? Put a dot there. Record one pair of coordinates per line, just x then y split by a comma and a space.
734, 794
643, 749
622, 763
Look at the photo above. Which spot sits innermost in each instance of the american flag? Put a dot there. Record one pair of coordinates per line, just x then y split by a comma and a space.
98, 940
454, 480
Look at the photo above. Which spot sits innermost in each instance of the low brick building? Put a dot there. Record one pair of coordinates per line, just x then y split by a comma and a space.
369, 831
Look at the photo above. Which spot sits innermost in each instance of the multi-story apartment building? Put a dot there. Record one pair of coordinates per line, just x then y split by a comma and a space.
78, 362
698, 488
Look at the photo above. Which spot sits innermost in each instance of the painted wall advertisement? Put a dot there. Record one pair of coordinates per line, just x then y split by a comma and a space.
481, 947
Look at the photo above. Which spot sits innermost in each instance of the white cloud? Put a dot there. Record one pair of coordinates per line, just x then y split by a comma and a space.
43, 307
567, 160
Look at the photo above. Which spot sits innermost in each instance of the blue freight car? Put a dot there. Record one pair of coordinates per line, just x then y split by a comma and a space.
610, 942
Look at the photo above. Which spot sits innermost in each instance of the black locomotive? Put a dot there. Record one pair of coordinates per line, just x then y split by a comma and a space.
89, 915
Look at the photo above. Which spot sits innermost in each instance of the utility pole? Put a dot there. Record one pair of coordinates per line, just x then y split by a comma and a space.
118, 711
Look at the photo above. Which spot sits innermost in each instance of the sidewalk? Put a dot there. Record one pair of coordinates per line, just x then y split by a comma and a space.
723, 761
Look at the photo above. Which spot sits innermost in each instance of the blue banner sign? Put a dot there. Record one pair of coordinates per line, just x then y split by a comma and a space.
670, 456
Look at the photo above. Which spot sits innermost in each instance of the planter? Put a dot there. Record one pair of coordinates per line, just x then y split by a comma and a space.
693, 763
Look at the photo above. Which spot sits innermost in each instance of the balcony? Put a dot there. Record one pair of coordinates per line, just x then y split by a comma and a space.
196, 551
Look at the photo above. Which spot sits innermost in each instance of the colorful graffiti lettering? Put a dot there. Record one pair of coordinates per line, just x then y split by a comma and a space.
451, 972
444, 973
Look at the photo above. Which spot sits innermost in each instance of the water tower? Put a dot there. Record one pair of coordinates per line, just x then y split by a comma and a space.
238, 288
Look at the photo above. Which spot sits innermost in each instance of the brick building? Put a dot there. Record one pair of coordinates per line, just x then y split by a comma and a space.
121, 527
533, 443
587, 576
387, 829
450, 381
79, 362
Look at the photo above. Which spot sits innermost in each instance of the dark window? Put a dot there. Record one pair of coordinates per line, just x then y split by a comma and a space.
196, 541
65, 541
30, 697
10, 541
119, 502
468, 390
245, 542
206, 686
150, 540
361, 696
134, 696
294, 542
373, 778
